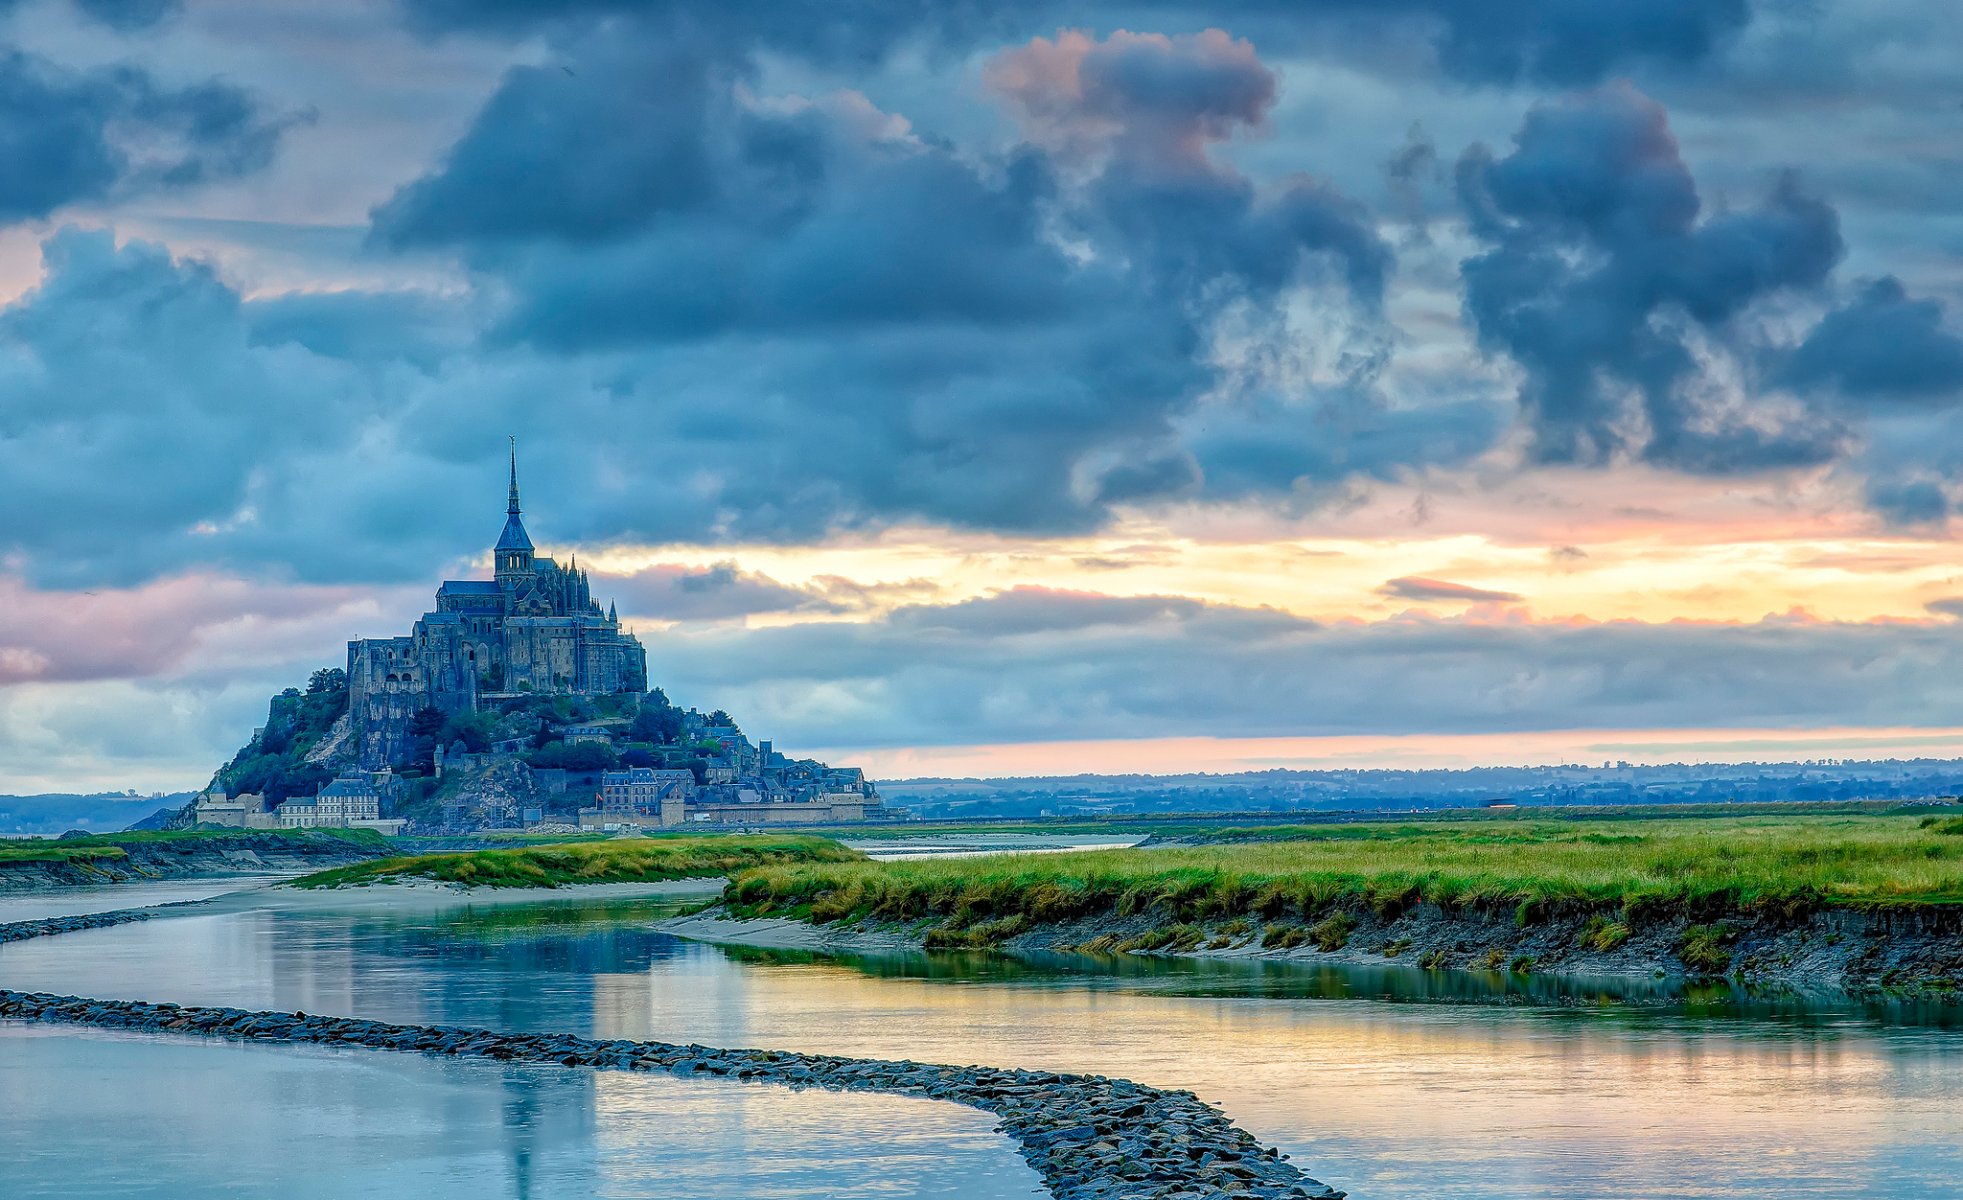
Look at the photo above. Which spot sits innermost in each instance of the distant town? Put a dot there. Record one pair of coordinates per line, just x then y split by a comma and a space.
1353, 790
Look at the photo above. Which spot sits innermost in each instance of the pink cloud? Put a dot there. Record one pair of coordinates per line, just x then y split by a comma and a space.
155, 629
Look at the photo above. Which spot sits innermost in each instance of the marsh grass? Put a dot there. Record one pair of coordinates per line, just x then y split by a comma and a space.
622, 860
1702, 868
103, 846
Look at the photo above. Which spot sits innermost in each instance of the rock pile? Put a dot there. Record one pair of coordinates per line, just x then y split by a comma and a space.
1088, 1136
21, 930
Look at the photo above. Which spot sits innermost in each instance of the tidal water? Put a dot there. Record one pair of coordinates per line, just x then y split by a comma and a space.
1388, 1083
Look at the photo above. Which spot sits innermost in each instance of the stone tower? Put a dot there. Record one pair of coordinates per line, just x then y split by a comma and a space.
513, 555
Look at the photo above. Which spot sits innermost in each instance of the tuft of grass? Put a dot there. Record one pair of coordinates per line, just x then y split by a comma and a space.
1705, 949
1602, 934
1283, 937
618, 860
1333, 931
1396, 948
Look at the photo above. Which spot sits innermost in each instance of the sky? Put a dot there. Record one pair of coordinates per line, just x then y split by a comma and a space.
1020, 386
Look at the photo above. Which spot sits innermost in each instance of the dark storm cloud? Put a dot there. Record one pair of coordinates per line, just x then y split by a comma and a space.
144, 429
108, 133
1910, 501
920, 331
1035, 666
1605, 281
1883, 346
129, 14
1417, 587
363, 327
1490, 41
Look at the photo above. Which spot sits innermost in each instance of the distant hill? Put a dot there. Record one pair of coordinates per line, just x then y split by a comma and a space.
53, 813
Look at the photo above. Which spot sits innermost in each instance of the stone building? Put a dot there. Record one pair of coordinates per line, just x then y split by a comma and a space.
352, 801
245, 811
533, 628
643, 789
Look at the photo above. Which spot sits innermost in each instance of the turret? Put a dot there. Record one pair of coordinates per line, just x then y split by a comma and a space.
513, 556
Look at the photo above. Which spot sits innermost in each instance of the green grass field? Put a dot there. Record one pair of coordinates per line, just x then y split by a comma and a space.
1714, 865
98, 846
619, 860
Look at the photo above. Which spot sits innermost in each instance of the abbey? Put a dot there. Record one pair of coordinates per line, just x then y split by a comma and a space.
532, 629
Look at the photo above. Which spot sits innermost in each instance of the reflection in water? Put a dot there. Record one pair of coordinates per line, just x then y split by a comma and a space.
94, 1114
1726, 1095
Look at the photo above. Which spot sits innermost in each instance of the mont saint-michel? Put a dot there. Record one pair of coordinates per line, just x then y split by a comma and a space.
517, 702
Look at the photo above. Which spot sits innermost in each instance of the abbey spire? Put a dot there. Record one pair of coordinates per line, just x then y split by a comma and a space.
513, 555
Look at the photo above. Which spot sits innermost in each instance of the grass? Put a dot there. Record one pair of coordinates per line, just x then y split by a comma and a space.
96, 847
618, 860
1704, 868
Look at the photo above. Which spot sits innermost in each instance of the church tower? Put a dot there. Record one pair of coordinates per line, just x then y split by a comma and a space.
514, 550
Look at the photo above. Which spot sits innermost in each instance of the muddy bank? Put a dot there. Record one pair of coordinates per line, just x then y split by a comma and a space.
1912, 953
190, 858
777, 933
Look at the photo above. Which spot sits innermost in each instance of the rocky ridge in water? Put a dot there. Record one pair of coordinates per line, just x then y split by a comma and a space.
1088, 1136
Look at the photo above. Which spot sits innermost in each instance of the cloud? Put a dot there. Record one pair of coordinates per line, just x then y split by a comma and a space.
186, 624
671, 592
70, 136
1882, 347
1948, 606
129, 15
153, 422
881, 325
1611, 290
1563, 42
1033, 665
1417, 587
1910, 501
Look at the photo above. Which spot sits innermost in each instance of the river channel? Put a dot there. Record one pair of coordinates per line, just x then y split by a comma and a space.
1387, 1083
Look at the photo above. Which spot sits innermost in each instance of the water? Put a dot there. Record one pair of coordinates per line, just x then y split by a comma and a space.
1382, 1096
31, 906
101, 1114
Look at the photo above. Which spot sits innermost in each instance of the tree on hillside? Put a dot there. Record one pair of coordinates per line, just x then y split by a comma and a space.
658, 722
473, 729
327, 679
424, 728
